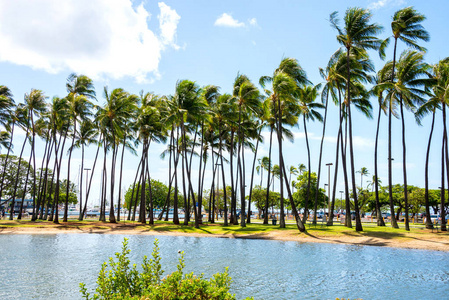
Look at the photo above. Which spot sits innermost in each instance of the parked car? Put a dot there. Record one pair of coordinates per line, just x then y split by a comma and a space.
435, 218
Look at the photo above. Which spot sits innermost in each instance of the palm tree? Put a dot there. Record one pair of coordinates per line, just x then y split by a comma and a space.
210, 95
222, 113
79, 111
281, 97
334, 78
363, 172
292, 171
86, 135
118, 109
382, 76
307, 96
187, 107
302, 168
407, 28
35, 104
357, 35
263, 165
149, 128
429, 107
438, 99
248, 100
60, 122
408, 91
8, 120
80, 90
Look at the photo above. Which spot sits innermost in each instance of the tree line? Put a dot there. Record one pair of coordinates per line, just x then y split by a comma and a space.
216, 128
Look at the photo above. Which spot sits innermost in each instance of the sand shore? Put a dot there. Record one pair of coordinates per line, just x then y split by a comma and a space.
412, 240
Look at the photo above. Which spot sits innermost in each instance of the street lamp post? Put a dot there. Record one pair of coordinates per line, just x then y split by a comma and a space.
329, 188
87, 176
341, 200
326, 189
218, 184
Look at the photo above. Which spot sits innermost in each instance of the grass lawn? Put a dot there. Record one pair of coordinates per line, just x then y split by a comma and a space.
255, 229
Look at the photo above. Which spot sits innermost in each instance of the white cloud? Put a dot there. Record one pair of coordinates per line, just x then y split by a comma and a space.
226, 20
168, 22
252, 22
382, 3
103, 38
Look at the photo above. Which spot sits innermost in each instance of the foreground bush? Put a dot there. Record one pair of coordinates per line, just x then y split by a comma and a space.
123, 281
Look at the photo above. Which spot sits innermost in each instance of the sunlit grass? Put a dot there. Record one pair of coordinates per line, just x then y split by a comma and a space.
255, 229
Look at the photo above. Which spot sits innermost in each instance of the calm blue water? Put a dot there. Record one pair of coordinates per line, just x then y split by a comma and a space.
52, 266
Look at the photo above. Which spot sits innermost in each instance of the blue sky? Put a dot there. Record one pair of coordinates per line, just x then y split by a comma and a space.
149, 45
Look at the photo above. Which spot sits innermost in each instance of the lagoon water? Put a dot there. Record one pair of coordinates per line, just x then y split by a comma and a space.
52, 266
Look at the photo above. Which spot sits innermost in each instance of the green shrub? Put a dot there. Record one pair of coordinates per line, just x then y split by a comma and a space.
121, 280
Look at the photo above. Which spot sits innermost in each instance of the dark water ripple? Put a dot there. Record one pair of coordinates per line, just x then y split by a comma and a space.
52, 266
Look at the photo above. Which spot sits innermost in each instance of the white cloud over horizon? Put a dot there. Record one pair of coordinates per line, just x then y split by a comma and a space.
226, 20
382, 3
104, 38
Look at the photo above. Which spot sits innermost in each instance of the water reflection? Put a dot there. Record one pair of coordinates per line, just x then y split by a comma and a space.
52, 266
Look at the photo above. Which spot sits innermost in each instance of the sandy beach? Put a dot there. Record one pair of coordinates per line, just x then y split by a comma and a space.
424, 239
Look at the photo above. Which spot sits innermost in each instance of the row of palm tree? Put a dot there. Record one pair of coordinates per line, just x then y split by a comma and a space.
217, 128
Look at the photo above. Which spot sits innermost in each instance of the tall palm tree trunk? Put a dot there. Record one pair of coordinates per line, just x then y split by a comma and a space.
120, 180
19, 217
212, 194
142, 216
394, 223
186, 207
299, 224
58, 158
429, 224
132, 203
306, 204
331, 213
38, 203
443, 211
175, 197
224, 181
43, 193
330, 222
233, 218
265, 217
11, 215
6, 159
34, 161
239, 168
443, 190
380, 219
66, 207
81, 182
136, 201
113, 160
90, 181
150, 191
348, 221
170, 177
103, 183
248, 218
358, 222
199, 220
404, 168
281, 181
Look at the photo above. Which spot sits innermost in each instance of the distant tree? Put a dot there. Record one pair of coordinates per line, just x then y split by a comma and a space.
259, 195
159, 193
10, 173
301, 185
